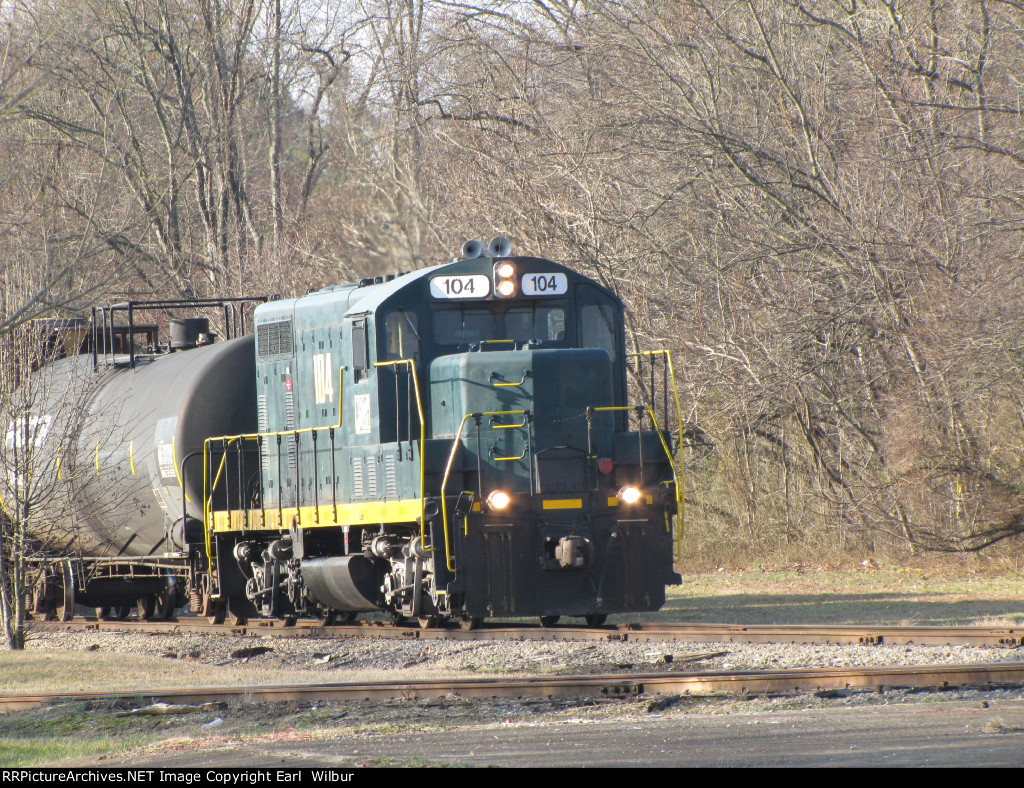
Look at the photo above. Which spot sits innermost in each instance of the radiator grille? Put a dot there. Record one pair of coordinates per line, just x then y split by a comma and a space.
274, 339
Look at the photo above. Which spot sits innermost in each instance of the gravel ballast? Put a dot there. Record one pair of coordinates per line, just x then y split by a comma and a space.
334, 659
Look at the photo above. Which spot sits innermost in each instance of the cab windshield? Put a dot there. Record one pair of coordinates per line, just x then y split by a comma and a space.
467, 325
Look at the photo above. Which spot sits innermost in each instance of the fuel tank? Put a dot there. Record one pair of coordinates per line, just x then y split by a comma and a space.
131, 439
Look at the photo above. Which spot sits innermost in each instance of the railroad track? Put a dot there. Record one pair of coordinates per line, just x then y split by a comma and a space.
620, 685
1008, 637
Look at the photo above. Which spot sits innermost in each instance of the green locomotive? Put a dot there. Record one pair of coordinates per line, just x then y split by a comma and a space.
451, 442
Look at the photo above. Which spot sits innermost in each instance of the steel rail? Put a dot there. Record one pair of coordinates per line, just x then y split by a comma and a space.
867, 635
616, 685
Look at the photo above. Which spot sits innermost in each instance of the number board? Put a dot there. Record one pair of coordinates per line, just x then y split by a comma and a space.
468, 286
545, 284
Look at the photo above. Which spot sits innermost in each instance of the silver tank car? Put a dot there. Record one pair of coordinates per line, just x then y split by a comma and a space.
136, 436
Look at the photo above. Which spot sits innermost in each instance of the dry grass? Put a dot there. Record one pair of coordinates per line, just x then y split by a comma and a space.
870, 594
51, 672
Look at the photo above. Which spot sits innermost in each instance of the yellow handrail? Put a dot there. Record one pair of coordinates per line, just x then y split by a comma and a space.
208, 499
664, 445
526, 374
448, 469
681, 478
423, 436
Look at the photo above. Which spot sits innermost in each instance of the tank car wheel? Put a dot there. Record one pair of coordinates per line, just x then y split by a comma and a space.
468, 622
55, 594
113, 612
42, 605
427, 622
549, 621
396, 617
66, 609
166, 602
44, 611
211, 609
147, 607
596, 619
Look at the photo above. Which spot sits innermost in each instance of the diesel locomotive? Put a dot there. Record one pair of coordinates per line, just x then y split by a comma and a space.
455, 442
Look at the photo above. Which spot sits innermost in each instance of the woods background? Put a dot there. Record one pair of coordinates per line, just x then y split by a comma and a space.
817, 206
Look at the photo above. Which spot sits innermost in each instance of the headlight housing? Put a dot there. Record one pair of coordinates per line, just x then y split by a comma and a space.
505, 280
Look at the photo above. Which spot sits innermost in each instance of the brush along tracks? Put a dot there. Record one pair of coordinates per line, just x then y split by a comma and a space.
1007, 637
824, 681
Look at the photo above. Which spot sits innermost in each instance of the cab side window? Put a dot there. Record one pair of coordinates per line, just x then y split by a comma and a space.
598, 322
402, 335
360, 354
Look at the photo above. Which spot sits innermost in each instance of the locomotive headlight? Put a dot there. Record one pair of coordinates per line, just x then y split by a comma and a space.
498, 500
629, 495
505, 280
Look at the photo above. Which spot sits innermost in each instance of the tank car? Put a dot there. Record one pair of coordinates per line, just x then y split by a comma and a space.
125, 412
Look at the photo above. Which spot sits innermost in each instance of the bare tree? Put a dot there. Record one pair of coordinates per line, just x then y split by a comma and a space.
40, 415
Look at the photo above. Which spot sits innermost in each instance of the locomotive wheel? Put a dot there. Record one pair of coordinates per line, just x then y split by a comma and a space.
549, 621
239, 610
427, 622
468, 622
595, 619
337, 618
